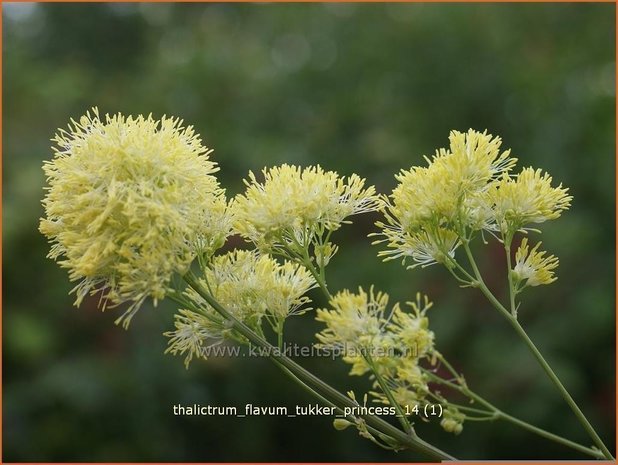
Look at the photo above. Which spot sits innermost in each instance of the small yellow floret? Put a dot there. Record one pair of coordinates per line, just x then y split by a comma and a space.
532, 268
475, 160
426, 247
452, 420
355, 321
527, 198
193, 333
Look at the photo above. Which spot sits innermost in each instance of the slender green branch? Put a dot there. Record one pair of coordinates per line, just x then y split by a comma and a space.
507, 248
414, 443
318, 275
567, 397
491, 417
301, 255
178, 298
327, 402
460, 379
499, 414
481, 283
280, 333
464, 283
470, 279
478, 411
442, 400
400, 415
539, 357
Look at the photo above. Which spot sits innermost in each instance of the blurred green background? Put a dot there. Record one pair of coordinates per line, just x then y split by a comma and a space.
356, 88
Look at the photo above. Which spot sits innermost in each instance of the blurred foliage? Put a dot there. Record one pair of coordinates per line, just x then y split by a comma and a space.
357, 88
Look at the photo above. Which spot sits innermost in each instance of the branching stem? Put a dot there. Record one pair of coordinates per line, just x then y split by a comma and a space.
521, 332
325, 390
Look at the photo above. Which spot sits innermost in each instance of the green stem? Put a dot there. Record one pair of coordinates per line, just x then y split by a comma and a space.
314, 382
400, 415
507, 249
567, 397
318, 275
301, 255
487, 418
460, 379
442, 400
499, 414
327, 402
178, 298
478, 411
481, 284
455, 263
280, 333
537, 354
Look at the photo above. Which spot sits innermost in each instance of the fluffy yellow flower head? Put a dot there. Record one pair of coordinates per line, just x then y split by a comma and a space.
422, 195
532, 268
464, 189
474, 160
411, 330
128, 202
252, 286
391, 343
295, 203
408, 385
360, 324
527, 198
452, 179
429, 204
356, 320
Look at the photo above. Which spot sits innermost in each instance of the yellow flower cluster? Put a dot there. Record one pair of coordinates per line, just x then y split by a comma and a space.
294, 204
129, 202
391, 342
526, 198
532, 268
193, 332
252, 286
355, 320
464, 189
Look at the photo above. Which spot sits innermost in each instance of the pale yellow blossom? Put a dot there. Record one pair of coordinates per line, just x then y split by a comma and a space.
411, 330
527, 198
432, 205
532, 267
474, 160
193, 333
252, 286
294, 204
426, 247
128, 202
373, 339
465, 188
355, 321
451, 181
